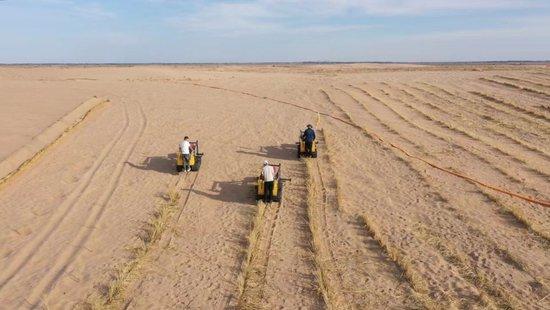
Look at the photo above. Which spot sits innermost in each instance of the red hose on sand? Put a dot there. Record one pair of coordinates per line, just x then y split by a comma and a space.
462, 176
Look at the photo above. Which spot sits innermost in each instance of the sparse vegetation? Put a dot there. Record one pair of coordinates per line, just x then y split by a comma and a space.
128, 272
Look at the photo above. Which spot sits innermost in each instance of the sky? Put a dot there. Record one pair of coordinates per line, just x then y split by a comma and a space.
205, 31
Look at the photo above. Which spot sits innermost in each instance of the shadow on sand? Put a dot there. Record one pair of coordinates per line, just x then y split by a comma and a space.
283, 151
162, 164
232, 191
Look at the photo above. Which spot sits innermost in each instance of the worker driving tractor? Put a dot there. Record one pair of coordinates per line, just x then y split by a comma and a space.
186, 148
309, 137
268, 176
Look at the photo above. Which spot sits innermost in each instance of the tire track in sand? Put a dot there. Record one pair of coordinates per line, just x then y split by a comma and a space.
280, 260
253, 286
153, 250
65, 258
345, 251
22, 257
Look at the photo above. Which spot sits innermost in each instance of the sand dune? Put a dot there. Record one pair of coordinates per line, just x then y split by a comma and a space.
103, 219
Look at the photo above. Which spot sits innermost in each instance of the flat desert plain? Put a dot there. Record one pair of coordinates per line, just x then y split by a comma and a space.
430, 190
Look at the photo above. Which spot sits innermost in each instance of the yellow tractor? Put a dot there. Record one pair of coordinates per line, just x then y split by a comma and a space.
277, 193
302, 151
195, 158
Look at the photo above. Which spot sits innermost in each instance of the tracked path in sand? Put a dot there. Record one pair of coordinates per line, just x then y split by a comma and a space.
431, 235
355, 270
361, 226
531, 180
278, 266
84, 205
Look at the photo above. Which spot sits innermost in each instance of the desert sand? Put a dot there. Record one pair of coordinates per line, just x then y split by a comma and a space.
379, 220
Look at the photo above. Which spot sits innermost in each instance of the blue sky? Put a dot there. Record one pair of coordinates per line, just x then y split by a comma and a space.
273, 30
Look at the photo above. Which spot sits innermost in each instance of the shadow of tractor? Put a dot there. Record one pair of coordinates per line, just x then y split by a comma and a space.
162, 164
283, 151
232, 191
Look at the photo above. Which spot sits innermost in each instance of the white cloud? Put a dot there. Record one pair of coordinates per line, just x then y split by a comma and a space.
91, 10
380, 7
301, 16
260, 17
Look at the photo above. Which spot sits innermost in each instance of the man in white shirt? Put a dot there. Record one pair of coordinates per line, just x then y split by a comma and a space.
185, 148
268, 174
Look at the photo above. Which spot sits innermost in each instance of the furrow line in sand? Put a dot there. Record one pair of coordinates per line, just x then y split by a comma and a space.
527, 148
513, 107
487, 197
328, 273
126, 278
485, 243
519, 213
530, 170
397, 114
526, 90
254, 279
492, 187
386, 129
525, 163
543, 74
69, 253
39, 145
488, 112
494, 131
22, 257
523, 80
459, 131
424, 286
339, 110
533, 126
350, 279
439, 137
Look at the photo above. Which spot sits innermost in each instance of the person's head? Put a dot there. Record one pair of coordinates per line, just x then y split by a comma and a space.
309, 126
266, 163
186, 138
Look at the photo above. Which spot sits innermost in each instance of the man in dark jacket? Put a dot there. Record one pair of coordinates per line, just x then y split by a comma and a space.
309, 136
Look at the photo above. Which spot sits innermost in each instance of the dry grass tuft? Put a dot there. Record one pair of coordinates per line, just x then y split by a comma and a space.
515, 86
322, 258
406, 264
331, 158
247, 268
128, 272
491, 296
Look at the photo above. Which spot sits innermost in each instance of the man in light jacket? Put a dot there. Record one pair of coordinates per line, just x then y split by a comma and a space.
268, 174
185, 148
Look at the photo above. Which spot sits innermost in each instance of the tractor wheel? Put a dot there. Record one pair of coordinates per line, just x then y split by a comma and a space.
197, 164
179, 168
258, 196
279, 197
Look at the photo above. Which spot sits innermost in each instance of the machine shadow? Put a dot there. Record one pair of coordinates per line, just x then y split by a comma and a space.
162, 164
232, 191
283, 151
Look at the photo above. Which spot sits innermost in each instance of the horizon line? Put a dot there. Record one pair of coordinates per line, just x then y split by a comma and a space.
276, 63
